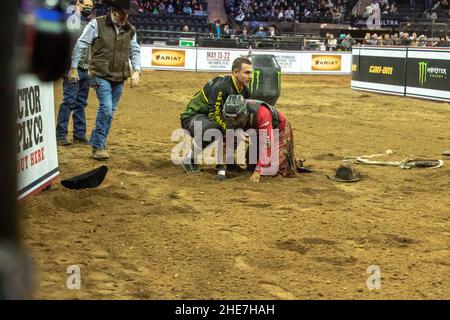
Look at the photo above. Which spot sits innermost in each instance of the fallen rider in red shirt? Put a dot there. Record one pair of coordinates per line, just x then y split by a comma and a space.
275, 141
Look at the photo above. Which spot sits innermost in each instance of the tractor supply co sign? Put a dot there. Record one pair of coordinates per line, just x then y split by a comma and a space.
326, 62
37, 159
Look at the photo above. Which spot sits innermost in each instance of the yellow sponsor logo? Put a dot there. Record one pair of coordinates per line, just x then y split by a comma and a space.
354, 67
381, 70
168, 58
326, 62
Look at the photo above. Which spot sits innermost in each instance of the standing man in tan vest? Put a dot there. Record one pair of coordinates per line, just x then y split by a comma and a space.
112, 41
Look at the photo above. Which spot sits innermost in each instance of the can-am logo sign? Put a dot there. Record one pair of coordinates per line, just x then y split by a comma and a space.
426, 72
168, 58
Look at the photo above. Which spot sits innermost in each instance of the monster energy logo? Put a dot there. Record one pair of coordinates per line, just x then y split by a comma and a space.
431, 72
423, 72
255, 74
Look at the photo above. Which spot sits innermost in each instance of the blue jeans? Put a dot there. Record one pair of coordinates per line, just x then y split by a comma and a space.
108, 94
74, 101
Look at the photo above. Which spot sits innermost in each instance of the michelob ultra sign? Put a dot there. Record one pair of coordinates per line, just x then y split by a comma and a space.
326, 62
168, 58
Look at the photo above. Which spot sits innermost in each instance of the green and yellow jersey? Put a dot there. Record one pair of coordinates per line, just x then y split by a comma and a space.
210, 99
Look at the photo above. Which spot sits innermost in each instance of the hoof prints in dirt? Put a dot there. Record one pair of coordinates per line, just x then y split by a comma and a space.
166, 209
292, 245
391, 240
85, 200
302, 246
328, 157
337, 260
318, 246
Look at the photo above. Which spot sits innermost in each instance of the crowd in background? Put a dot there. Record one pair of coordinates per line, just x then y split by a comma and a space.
333, 11
172, 7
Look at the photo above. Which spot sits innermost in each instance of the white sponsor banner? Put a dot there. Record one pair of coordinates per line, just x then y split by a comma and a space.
289, 61
37, 158
220, 60
212, 59
168, 58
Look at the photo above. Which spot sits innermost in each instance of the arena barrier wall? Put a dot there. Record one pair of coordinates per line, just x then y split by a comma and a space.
412, 72
220, 60
37, 158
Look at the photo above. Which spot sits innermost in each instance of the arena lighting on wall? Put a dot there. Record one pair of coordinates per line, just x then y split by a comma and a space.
47, 42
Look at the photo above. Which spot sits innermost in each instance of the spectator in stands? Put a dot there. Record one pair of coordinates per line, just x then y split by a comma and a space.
217, 29
170, 10
332, 42
396, 40
200, 11
280, 17
187, 10
413, 40
442, 42
185, 28
227, 32
347, 42
289, 15
444, 4
162, 8
412, 4
422, 41
433, 17
436, 6
387, 41
261, 33
272, 32
337, 16
428, 5
244, 37
367, 39
393, 10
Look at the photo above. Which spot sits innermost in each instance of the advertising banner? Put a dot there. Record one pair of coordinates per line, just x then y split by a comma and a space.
168, 58
290, 62
220, 60
322, 62
380, 70
209, 59
428, 74
326, 63
37, 158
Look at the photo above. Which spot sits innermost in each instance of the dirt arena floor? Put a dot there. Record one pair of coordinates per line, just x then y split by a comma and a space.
152, 232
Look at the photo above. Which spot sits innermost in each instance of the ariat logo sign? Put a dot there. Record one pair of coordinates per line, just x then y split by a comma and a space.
326, 63
381, 70
426, 72
168, 58
354, 67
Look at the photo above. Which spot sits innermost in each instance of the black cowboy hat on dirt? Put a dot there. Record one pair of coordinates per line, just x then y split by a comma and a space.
345, 173
91, 179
